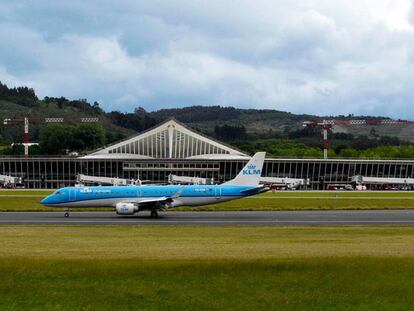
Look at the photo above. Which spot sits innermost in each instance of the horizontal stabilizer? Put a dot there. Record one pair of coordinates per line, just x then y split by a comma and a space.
256, 190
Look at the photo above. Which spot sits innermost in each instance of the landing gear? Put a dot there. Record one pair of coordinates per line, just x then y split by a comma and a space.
154, 214
66, 214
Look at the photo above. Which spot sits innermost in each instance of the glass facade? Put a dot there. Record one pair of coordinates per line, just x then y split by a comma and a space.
50, 172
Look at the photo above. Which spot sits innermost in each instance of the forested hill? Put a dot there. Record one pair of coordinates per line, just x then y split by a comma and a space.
277, 132
254, 120
273, 123
22, 101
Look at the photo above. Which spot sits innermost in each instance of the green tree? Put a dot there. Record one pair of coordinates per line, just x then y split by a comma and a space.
88, 136
56, 138
60, 138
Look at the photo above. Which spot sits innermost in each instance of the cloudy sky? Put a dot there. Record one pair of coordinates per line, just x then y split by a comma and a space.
303, 56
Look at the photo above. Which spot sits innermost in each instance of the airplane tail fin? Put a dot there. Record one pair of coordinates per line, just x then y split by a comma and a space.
250, 174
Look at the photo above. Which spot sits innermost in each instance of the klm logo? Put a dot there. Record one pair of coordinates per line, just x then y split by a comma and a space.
252, 170
85, 190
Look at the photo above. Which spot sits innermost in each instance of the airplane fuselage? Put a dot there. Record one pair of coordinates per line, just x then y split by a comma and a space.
128, 200
110, 196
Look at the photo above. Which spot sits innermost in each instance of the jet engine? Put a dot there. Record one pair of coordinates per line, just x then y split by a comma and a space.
126, 208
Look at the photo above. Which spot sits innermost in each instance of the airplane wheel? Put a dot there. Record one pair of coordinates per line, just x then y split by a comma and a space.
154, 214
66, 214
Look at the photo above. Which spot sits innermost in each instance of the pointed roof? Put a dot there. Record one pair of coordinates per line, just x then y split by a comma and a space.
170, 139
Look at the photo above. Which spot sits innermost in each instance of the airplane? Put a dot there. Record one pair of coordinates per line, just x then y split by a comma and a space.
128, 200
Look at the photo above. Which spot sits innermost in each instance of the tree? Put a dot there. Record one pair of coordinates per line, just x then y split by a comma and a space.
228, 132
56, 138
135, 121
97, 107
140, 112
21, 95
88, 136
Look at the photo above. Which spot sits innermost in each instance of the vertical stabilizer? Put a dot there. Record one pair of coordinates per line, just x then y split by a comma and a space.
250, 174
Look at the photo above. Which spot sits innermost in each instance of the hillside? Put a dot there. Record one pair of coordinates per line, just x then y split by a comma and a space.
276, 123
402, 131
205, 119
254, 120
22, 101
13, 133
277, 132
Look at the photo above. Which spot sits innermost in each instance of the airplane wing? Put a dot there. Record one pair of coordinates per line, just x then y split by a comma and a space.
155, 200
255, 190
158, 203
152, 202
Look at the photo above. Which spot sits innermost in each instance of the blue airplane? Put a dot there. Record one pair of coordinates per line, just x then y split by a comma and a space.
128, 200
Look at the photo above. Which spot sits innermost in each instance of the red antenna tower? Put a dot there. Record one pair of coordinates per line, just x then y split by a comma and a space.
326, 125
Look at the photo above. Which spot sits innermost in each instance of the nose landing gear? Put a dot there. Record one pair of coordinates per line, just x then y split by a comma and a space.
66, 214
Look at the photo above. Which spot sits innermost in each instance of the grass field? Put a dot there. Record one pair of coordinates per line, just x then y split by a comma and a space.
28, 200
206, 268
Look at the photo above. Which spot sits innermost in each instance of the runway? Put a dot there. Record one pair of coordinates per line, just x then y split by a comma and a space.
302, 218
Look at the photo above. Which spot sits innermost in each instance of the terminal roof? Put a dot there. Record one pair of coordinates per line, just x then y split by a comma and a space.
170, 139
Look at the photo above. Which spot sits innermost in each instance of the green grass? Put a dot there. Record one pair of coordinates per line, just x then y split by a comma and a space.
316, 284
282, 204
203, 242
206, 268
24, 192
29, 200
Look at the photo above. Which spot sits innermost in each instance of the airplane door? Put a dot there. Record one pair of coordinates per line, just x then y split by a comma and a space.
217, 192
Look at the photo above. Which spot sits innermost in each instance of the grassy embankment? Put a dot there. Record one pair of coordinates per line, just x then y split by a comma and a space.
28, 200
206, 268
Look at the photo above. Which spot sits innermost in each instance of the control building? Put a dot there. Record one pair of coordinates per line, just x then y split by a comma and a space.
173, 148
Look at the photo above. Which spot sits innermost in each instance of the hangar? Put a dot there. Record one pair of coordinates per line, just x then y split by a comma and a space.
174, 148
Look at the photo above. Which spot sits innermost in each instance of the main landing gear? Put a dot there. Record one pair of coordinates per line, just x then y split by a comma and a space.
154, 214
66, 214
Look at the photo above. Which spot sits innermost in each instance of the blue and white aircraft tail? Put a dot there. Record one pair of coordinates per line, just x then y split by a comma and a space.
128, 200
250, 174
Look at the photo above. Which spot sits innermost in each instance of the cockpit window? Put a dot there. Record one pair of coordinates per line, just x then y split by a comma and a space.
57, 192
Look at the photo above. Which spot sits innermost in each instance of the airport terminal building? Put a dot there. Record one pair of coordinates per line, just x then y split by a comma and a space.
173, 148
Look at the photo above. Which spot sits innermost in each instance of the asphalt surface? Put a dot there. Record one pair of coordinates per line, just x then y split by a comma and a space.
303, 218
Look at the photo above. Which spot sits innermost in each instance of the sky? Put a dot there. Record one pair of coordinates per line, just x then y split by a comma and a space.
319, 57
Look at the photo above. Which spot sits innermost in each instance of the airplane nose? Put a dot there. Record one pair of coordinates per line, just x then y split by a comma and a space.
45, 201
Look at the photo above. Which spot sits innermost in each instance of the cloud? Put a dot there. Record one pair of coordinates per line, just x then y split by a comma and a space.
313, 56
